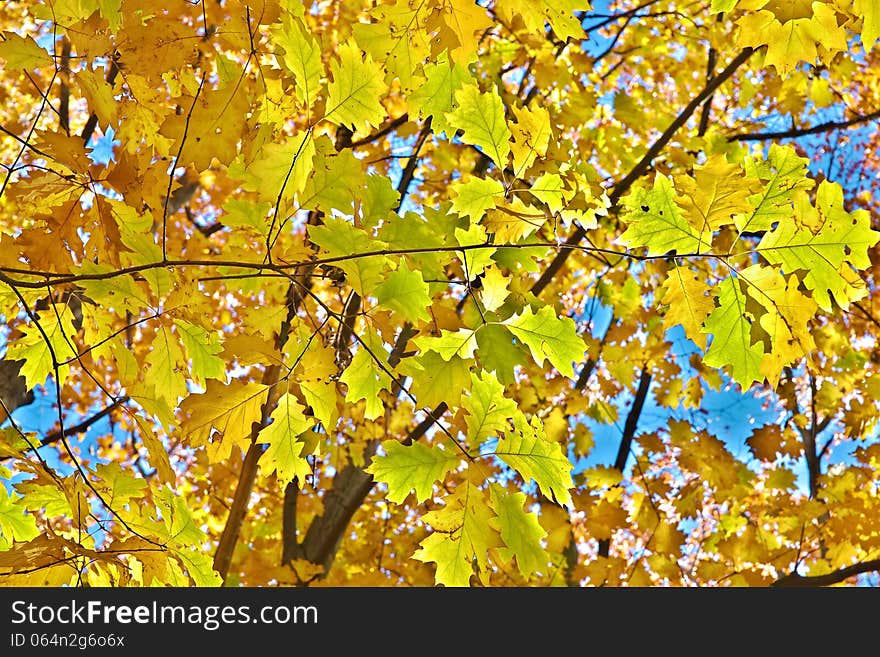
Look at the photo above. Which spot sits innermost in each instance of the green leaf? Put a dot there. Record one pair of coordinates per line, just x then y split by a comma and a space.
476, 195
117, 485
481, 117
528, 451
784, 174
828, 254
285, 452
656, 221
723, 6
35, 351
548, 337
404, 468
340, 238
301, 55
200, 566
167, 363
279, 169
405, 292
549, 189
435, 379
238, 213
520, 530
731, 326
15, 524
499, 353
489, 411
321, 397
353, 95
462, 535
494, 291
436, 96
475, 260
180, 528
364, 378
450, 343
202, 348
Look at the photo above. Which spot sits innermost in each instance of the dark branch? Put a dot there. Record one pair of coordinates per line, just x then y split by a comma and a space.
643, 165
55, 436
629, 432
835, 577
827, 126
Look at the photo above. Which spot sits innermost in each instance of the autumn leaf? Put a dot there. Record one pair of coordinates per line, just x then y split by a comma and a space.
481, 118
548, 337
406, 468
527, 450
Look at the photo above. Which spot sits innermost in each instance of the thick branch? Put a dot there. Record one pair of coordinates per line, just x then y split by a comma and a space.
629, 432
643, 165
827, 126
835, 577
350, 488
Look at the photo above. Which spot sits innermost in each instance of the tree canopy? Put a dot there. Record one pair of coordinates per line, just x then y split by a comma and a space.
496, 293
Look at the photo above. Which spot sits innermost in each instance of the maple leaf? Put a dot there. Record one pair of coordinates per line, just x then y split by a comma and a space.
22, 52
827, 254
202, 348
365, 378
785, 174
353, 95
435, 379
301, 55
520, 530
15, 524
167, 364
531, 137
656, 221
231, 409
480, 116
476, 195
405, 468
689, 304
462, 535
463, 21
52, 333
399, 38
494, 291
870, 13
527, 450
284, 454
713, 196
548, 337
405, 292
489, 411
340, 238
436, 96
731, 326
448, 344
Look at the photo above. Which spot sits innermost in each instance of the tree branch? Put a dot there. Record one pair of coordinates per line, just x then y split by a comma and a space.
350, 488
629, 432
827, 126
55, 436
643, 165
835, 577
92, 122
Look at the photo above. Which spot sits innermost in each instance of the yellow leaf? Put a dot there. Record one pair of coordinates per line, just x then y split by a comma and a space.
229, 409
22, 52
689, 304
357, 87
